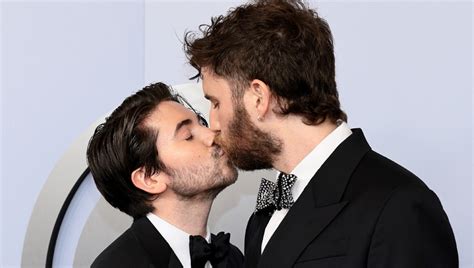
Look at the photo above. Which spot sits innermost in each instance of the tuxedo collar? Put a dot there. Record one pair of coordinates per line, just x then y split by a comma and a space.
158, 250
311, 163
329, 183
176, 238
317, 206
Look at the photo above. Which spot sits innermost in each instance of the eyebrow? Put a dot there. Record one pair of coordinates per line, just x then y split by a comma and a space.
208, 97
181, 124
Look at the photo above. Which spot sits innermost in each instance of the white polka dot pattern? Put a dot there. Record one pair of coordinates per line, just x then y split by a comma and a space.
276, 195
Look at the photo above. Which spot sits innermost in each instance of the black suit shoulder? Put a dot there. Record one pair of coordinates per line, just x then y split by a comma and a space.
386, 172
410, 226
377, 177
125, 251
378, 183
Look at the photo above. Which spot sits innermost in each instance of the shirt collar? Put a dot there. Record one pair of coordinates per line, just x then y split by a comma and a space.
311, 163
176, 238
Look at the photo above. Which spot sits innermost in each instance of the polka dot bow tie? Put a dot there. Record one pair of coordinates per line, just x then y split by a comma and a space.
275, 195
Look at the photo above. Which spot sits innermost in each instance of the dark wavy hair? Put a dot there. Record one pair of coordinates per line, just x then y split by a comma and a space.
282, 43
122, 144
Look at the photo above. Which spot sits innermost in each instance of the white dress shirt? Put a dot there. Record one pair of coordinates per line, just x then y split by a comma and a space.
177, 239
305, 171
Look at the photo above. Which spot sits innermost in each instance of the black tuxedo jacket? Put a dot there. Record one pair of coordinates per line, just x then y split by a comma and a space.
143, 246
359, 210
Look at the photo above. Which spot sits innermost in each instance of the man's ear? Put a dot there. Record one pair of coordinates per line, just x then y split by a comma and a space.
154, 184
260, 98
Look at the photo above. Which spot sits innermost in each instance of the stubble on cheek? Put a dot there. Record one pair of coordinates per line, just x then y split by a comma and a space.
203, 180
248, 147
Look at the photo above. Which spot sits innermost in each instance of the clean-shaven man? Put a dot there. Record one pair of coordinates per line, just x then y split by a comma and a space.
268, 70
157, 161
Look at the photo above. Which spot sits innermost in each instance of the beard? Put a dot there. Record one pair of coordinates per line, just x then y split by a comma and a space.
202, 182
248, 147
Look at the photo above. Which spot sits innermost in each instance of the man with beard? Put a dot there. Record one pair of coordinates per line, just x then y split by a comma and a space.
157, 161
268, 70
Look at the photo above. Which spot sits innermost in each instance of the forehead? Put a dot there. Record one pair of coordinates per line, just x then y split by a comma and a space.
166, 115
213, 84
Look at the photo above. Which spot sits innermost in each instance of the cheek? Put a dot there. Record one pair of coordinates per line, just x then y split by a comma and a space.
187, 154
226, 118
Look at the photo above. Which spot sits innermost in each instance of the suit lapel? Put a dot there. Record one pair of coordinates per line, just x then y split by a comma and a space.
174, 261
296, 231
317, 206
158, 250
256, 229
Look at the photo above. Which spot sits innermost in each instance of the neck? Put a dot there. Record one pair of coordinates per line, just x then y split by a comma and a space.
189, 215
298, 141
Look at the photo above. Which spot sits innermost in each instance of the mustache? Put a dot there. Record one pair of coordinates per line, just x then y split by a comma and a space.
218, 140
216, 151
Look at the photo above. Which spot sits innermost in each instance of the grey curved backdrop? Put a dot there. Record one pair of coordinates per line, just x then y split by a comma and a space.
404, 73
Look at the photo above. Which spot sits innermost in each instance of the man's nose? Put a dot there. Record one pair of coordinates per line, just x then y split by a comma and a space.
214, 123
208, 136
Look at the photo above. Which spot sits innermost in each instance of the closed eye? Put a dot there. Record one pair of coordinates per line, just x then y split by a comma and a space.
202, 121
214, 102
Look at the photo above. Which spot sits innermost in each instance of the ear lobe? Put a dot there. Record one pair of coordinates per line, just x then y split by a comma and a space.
154, 184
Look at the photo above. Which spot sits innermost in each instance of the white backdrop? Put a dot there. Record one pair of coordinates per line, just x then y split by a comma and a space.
404, 73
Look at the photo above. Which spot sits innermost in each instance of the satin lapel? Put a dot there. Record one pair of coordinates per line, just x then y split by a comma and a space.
155, 245
301, 225
174, 261
254, 237
317, 206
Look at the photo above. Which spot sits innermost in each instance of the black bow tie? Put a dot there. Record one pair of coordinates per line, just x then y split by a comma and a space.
276, 195
201, 251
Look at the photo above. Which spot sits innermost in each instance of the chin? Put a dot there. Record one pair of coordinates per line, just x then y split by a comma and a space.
227, 167
229, 176
246, 166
